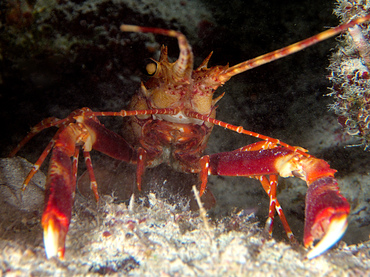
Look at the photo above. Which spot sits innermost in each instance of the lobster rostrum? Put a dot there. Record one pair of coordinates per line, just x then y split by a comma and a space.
169, 121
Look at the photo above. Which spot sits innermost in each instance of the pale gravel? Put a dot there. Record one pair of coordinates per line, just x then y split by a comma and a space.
159, 240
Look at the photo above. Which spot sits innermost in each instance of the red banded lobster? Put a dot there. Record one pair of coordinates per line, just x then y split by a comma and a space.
169, 121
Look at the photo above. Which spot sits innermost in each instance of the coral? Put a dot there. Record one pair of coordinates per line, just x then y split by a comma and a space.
350, 73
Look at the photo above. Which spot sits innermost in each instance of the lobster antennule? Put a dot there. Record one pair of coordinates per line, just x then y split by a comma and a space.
288, 50
184, 65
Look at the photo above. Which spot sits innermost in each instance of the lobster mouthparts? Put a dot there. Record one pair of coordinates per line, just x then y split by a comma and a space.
326, 215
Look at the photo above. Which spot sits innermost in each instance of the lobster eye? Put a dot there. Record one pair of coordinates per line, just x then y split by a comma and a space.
150, 67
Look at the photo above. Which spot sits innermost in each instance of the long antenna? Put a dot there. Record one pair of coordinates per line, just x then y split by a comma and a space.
288, 50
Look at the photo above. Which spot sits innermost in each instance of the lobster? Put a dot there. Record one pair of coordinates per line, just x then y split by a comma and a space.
169, 120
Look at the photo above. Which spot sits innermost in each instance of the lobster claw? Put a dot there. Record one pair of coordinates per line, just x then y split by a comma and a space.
55, 233
59, 199
326, 215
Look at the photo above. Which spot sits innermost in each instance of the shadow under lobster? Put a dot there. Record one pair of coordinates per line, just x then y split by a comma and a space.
117, 178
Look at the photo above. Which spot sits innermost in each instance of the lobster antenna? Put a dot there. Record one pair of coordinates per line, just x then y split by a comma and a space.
283, 52
184, 65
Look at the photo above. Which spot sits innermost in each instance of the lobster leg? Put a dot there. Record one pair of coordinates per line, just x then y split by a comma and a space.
93, 183
270, 187
326, 209
44, 124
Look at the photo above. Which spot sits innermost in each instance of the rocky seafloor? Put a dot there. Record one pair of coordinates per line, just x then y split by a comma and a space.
57, 56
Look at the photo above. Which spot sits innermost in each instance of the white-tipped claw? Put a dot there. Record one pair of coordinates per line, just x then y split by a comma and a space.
51, 240
54, 238
337, 228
